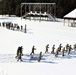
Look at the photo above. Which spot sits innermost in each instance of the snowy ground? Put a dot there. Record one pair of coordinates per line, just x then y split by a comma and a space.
39, 34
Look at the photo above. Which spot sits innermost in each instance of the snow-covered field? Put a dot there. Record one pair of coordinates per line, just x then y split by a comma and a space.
39, 34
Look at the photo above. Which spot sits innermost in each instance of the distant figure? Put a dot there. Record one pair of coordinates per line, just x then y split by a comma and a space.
21, 28
3, 24
33, 48
60, 46
11, 26
47, 46
18, 28
25, 30
53, 48
57, 52
75, 47
19, 53
40, 56
19, 57
63, 51
67, 47
70, 48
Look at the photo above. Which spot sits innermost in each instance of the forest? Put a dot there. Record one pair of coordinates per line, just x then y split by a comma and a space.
13, 7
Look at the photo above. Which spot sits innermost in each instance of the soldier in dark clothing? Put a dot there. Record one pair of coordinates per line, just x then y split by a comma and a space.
70, 48
19, 57
33, 48
18, 28
11, 26
60, 47
21, 28
40, 56
57, 52
75, 47
63, 51
67, 47
47, 46
53, 48
3, 24
19, 51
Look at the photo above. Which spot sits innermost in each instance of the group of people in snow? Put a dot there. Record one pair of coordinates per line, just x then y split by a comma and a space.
13, 26
20, 54
67, 49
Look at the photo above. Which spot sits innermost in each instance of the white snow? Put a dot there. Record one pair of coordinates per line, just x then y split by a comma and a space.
71, 14
39, 34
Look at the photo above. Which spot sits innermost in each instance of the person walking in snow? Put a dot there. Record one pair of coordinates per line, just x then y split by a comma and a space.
60, 46
67, 47
18, 28
19, 51
21, 28
3, 24
53, 48
33, 48
63, 51
40, 56
47, 46
70, 48
75, 47
19, 57
57, 52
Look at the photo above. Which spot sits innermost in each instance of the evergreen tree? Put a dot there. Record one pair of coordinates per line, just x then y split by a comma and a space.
14, 6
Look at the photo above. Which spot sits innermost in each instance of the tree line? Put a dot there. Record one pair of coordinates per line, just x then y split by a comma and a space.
13, 7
